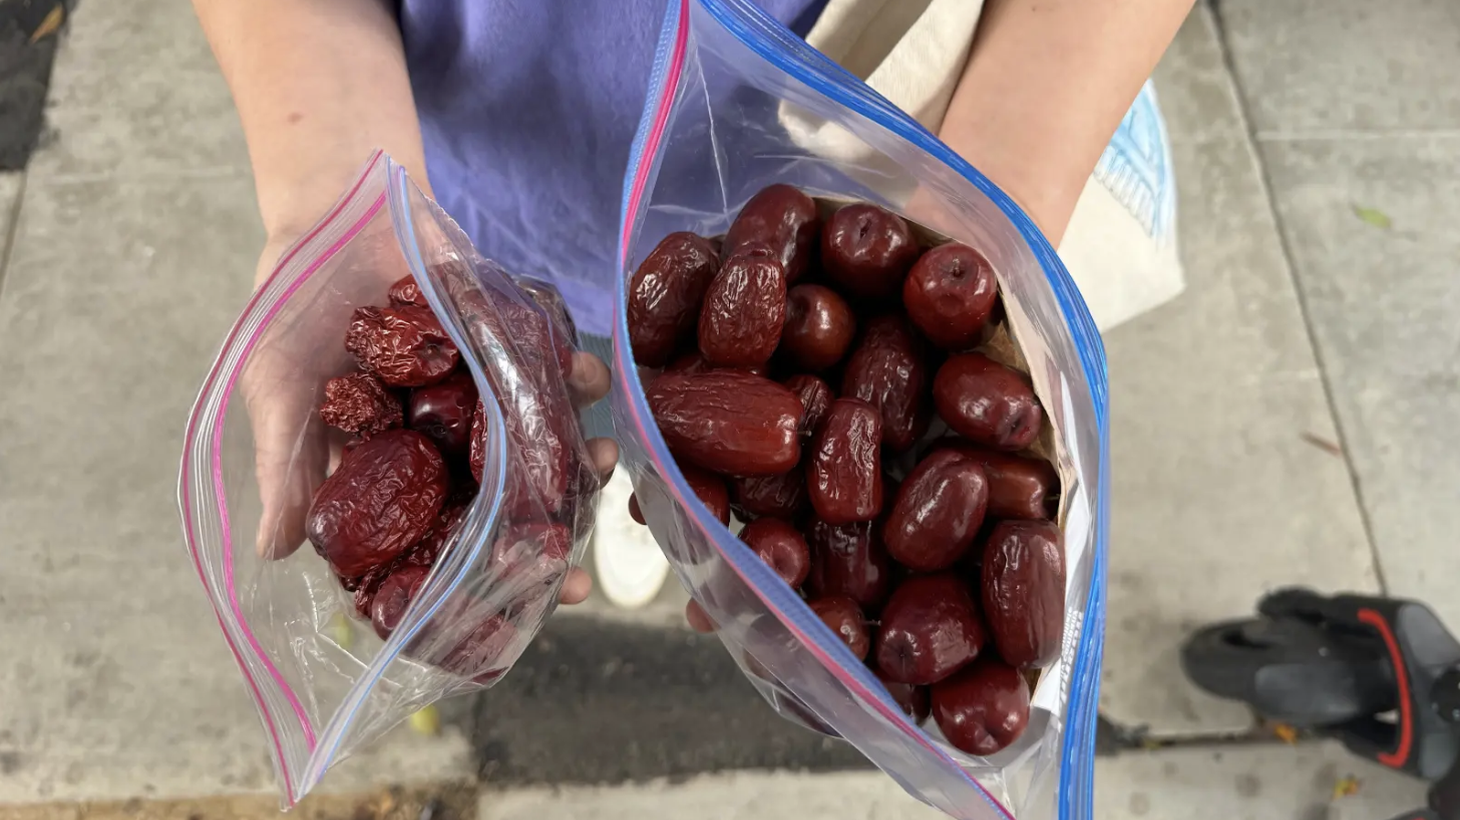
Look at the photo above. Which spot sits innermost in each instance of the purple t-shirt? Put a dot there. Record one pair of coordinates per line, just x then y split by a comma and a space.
528, 109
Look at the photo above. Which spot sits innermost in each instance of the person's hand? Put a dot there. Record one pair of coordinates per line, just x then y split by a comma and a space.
293, 448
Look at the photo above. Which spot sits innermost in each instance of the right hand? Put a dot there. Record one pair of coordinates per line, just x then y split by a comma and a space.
293, 448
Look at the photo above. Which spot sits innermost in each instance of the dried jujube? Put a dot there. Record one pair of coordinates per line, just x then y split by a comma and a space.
405, 346
360, 405
665, 294
782, 220
379, 502
987, 402
728, 421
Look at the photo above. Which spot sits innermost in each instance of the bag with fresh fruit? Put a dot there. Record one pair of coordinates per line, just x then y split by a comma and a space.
863, 407
400, 403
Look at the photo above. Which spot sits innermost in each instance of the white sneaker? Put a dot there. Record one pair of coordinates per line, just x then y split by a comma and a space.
629, 564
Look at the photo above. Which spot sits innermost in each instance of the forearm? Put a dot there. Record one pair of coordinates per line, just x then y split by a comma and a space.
1046, 85
318, 85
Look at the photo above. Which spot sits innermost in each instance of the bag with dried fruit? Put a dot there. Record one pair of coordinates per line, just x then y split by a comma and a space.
432, 457
871, 439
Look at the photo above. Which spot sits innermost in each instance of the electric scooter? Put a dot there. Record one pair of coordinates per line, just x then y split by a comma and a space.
1381, 675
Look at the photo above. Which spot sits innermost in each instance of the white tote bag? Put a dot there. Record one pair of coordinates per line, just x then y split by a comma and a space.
1120, 245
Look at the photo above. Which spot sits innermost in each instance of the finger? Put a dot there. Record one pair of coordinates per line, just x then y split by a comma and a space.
604, 452
698, 620
588, 382
576, 587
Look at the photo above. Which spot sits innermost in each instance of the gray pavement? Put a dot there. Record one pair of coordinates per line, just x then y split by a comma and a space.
132, 251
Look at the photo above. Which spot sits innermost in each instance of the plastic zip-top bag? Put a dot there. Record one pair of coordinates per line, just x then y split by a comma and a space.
399, 403
723, 211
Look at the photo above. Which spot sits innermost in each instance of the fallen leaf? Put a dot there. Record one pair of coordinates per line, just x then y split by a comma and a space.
1346, 787
1374, 216
1285, 733
50, 24
1330, 447
427, 721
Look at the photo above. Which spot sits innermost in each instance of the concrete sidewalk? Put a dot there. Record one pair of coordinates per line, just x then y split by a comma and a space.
1289, 419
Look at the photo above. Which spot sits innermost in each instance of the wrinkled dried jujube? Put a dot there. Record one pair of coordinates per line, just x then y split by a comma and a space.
379, 502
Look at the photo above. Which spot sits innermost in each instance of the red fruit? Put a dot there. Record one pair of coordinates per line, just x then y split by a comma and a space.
930, 629
443, 413
359, 405
1024, 592
711, 489
482, 654
816, 398
983, 708
912, 699
393, 597
429, 548
542, 468
819, 327
950, 294
728, 421
987, 402
842, 615
937, 512
781, 546
781, 219
777, 496
694, 362
888, 370
405, 292
844, 475
379, 502
848, 560
743, 313
1019, 487
867, 251
404, 346
665, 294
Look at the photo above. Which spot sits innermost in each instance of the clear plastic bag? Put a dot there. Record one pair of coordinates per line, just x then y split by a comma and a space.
708, 141
257, 451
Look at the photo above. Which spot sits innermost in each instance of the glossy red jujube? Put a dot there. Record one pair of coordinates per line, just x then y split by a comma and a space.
711, 490
937, 512
950, 294
743, 313
848, 560
378, 502
888, 370
930, 629
842, 615
1019, 487
816, 398
912, 699
867, 251
728, 421
982, 708
844, 471
781, 219
443, 412
819, 327
665, 294
987, 402
778, 496
1024, 592
781, 546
